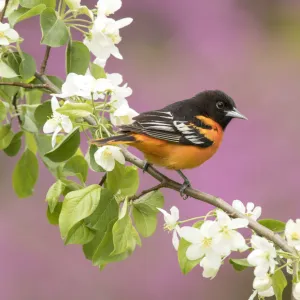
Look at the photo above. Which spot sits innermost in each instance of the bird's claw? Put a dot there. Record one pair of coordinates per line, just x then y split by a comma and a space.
146, 166
184, 186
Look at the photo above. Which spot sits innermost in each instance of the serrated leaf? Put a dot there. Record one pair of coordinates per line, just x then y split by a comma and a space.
54, 216
91, 159
123, 179
145, 223
76, 109
279, 283
15, 145
22, 14
78, 58
76, 166
54, 31
6, 136
66, 148
185, 264
79, 234
274, 225
149, 202
78, 205
54, 193
97, 71
106, 211
240, 264
25, 174
27, 66
33, 3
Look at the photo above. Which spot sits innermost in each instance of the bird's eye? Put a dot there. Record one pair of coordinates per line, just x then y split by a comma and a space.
220, 105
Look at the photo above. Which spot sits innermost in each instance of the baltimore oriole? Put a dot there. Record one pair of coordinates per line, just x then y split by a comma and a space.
182, 135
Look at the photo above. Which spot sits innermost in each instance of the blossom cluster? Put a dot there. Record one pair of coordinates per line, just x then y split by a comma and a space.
211, 241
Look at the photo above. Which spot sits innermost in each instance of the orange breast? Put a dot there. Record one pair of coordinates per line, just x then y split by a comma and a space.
177, 156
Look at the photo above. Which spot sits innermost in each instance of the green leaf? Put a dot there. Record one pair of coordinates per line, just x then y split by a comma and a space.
185, 264
33, 3
91, 159
77, 206
97, 71
145, 224
148, 203
54, 193
15, 145
6, 136
54, 31
198, 224
22, 14
274, 225
240, 264
76, 109
53, 217
27, 66
33, 96
76, 166
6, 71
3, 111
42, 113
29, 125
78, 58
25, 174
123, 179
30, 142
279, 283
11, 7
106, 211
66, 148
79, 234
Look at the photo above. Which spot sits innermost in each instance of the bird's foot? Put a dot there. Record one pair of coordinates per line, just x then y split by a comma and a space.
184, 186
146, 166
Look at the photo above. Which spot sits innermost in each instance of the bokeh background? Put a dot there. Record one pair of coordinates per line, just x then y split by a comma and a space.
174, 49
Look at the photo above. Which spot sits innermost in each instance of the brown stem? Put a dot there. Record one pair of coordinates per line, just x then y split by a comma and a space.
26, 85
45, 80
45, 60
155, 188
14, 103
102, 181
4, 10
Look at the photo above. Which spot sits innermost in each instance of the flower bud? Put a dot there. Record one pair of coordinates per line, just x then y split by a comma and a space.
262, 283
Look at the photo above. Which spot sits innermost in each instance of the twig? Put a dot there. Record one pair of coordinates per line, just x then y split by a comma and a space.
102, 181
4, 10
14, 103
43, 78
27, 85
45, 60
155, 188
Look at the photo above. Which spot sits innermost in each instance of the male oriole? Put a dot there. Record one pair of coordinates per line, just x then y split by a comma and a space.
182, 135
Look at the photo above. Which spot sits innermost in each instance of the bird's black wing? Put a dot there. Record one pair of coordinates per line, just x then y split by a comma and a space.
163, 125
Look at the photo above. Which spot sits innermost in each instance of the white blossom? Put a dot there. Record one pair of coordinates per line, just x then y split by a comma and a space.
106, 156
104, 36
227, 236
292, 233
123, 115
296, 291
267, 293
7, 34
108, 7
250, 210
171, 221
211, 264
57, 123
2, 4
262, 257
262, 283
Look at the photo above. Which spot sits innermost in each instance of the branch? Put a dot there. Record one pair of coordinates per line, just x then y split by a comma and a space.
45, 60
43, 78
155, 188
4, 10
27, 85
14, 103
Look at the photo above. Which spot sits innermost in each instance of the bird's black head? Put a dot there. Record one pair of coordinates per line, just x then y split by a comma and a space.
217, 106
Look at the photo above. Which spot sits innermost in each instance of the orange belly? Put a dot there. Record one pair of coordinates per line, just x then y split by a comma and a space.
174, 156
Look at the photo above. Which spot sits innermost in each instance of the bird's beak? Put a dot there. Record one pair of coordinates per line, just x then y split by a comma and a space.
234, 113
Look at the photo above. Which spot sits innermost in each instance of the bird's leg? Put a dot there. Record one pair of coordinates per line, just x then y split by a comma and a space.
146, 166
185, 185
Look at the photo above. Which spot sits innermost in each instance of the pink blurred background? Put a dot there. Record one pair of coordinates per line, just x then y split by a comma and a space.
174, 49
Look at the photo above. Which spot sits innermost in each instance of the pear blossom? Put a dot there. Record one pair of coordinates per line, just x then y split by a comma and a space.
7, 34
108, 7
57, 123
250, 210
262, 257
267, 293
262, 283
123, 115
292, 233
106, 156
296, 291
227, 236
171, 221
211, 264
104, 35
100, 62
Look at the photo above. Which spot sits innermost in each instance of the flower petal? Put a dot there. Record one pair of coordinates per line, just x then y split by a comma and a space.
239, 205
124, 22
54, 103
12, 34
175, 240
175, 212
50, 126
191, 234
118, 156
4, 41
238, 223
223, 218
194, 252
55, 133
66, 124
